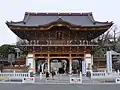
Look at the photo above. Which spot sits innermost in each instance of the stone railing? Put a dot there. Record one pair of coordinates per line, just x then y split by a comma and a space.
104, 75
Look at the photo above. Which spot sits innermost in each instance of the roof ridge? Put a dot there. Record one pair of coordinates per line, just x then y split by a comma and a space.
57, 14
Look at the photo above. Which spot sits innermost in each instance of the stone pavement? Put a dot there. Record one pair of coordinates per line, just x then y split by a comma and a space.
58, 79
62, 79
59, 87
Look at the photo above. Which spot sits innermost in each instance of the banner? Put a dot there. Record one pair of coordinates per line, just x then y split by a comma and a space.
75, 80
29, 80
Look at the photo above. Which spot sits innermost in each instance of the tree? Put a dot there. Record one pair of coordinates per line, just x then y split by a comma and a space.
118, 44
106, 41
6, 49
116, 65
103, 42
99, 53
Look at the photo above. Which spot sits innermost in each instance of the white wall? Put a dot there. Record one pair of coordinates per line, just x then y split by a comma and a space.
30, 61
88, 60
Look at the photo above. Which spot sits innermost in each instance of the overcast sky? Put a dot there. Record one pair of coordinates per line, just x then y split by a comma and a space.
13, 10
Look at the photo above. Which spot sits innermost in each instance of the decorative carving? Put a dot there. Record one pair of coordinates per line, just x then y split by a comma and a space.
75, 42
59, 35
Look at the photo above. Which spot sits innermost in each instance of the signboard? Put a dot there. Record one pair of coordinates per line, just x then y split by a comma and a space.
29, 80
117, 80
56, 64
88, 55
30, 55
74, 80
11, 58
4, 77
109, 62
83, 67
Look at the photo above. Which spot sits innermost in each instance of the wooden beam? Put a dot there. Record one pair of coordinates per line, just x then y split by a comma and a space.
60, 52
85, 28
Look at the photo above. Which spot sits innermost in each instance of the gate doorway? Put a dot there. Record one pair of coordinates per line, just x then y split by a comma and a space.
41, 65
76, 65
60, 65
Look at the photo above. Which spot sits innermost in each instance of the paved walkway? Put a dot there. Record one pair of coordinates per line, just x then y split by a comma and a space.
59, 87
61, 79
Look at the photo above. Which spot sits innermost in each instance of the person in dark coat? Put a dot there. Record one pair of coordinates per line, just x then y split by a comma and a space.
1, 67
47, 75
61, 71
53, 74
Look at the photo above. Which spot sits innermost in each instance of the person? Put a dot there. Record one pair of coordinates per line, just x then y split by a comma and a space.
61, 71
1, 67
47, 75
53, 74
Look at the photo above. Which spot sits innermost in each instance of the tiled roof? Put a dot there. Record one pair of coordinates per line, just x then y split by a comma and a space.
75, 19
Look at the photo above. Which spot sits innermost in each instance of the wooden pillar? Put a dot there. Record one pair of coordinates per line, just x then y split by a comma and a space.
70, 64
48, 62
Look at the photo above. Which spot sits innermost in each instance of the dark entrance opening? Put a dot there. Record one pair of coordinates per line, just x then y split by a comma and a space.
38, 64
76, 65
60, 65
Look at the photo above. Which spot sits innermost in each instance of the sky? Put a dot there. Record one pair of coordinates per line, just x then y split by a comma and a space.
13, 10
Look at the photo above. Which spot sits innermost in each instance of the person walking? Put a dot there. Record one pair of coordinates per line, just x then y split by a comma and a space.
53, 74
1, 67
47, 75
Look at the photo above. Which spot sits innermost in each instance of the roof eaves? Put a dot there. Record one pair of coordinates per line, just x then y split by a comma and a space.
11, 22
90, 16
26, 16
104, 22
94, 22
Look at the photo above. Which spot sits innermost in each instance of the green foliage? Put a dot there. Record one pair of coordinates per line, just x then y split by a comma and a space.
23, 56
6, 49
116, 66
118, 47
99, 53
